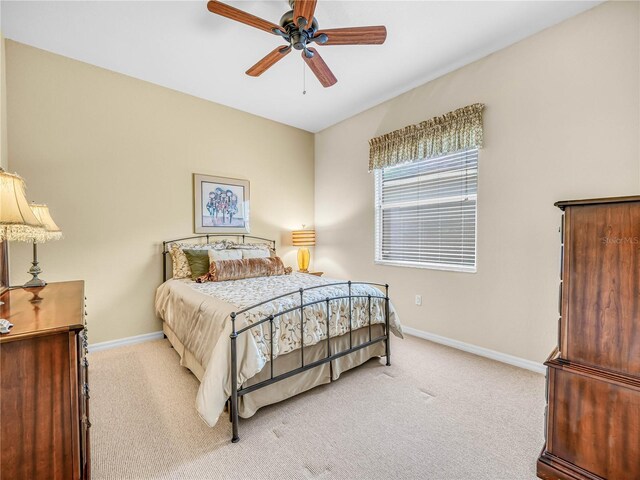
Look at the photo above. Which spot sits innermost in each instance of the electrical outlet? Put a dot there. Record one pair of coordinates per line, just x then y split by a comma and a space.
418, 300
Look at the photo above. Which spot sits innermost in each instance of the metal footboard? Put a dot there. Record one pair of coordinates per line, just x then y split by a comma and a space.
330, 354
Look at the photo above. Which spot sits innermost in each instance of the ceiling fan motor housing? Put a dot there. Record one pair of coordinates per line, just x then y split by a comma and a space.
298, 37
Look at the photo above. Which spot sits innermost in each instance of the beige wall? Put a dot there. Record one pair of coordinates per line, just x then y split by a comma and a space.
113, 158
3, 108
562, 122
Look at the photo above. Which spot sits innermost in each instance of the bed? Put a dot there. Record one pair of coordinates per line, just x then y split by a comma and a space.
257, 341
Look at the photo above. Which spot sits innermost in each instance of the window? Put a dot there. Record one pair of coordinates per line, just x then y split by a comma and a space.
426, 212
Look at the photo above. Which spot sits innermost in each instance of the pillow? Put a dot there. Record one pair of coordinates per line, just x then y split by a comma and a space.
218, 245
198, 262
215, 255
180, 265
255, 253
255, 250
250, 246
223, 270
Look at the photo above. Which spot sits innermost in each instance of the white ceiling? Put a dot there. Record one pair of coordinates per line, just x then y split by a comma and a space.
180, 45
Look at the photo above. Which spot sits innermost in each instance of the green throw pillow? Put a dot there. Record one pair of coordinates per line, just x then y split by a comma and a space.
198, 262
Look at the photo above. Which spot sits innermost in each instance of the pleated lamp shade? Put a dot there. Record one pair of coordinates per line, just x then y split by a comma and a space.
303, 238
50, 230
17, 220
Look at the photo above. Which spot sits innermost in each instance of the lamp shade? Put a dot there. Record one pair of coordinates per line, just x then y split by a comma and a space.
17, 221
50, 230
303, 238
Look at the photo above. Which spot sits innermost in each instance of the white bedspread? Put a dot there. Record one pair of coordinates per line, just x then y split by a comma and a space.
198, 313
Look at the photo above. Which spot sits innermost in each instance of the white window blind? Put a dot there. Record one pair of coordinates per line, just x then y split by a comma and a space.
426, 212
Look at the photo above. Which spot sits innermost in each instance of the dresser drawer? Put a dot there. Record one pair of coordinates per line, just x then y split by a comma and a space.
592, 423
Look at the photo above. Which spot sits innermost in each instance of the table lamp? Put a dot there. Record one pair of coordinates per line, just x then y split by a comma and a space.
50, 231
17, 221
303, 239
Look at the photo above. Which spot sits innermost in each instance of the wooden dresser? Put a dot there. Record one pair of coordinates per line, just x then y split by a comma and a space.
593, 377
44, 392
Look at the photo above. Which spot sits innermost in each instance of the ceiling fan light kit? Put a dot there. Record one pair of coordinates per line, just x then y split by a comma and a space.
299, 28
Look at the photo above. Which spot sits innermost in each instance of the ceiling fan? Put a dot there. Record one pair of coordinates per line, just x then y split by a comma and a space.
299, 28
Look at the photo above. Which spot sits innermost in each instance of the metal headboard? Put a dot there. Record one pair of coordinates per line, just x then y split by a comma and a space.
198, 240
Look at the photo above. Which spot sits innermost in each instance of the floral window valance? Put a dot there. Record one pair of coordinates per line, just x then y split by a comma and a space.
452, 132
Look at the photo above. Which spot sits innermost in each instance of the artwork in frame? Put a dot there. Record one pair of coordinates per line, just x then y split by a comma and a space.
220, 204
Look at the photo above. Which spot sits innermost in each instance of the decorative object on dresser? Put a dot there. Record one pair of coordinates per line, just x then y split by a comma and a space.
4, 266
303, 239
592, 426
17, 220
44, 407
220, 204
50, 231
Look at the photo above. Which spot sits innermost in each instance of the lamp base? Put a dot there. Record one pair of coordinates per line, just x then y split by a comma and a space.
35, 282
34, 271
303, 259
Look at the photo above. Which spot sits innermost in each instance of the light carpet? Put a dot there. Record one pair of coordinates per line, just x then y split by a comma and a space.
436, 413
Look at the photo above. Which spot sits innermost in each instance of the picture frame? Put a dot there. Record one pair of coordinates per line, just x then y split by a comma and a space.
220, 204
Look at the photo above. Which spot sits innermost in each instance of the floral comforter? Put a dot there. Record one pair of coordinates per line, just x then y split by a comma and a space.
198, 313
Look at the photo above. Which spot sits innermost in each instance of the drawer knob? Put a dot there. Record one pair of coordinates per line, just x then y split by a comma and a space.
86, 421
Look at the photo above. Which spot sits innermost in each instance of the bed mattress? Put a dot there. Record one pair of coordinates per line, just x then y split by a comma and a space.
198, 317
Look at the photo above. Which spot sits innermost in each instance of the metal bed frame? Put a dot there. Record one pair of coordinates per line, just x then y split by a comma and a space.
330, 356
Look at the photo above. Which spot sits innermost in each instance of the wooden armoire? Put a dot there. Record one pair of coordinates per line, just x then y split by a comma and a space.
593, 376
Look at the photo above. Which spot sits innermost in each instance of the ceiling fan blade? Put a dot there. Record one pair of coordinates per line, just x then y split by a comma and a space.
240, 16
304, 9
319, 68
268, 61
354, 35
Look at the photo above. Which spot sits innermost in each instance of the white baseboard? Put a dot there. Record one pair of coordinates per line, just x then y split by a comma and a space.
449, 342
146, 337
481, 351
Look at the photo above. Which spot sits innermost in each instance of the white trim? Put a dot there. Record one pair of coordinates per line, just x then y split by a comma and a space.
467, 347
431, 266
481, 351
145, 337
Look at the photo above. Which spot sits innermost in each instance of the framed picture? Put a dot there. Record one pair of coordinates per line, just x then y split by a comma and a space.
220, 204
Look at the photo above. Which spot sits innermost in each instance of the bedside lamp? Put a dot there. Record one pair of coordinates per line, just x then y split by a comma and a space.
17, 221
50, 231
303, 239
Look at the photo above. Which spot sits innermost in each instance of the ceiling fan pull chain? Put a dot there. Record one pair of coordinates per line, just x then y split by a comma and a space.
304, 78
